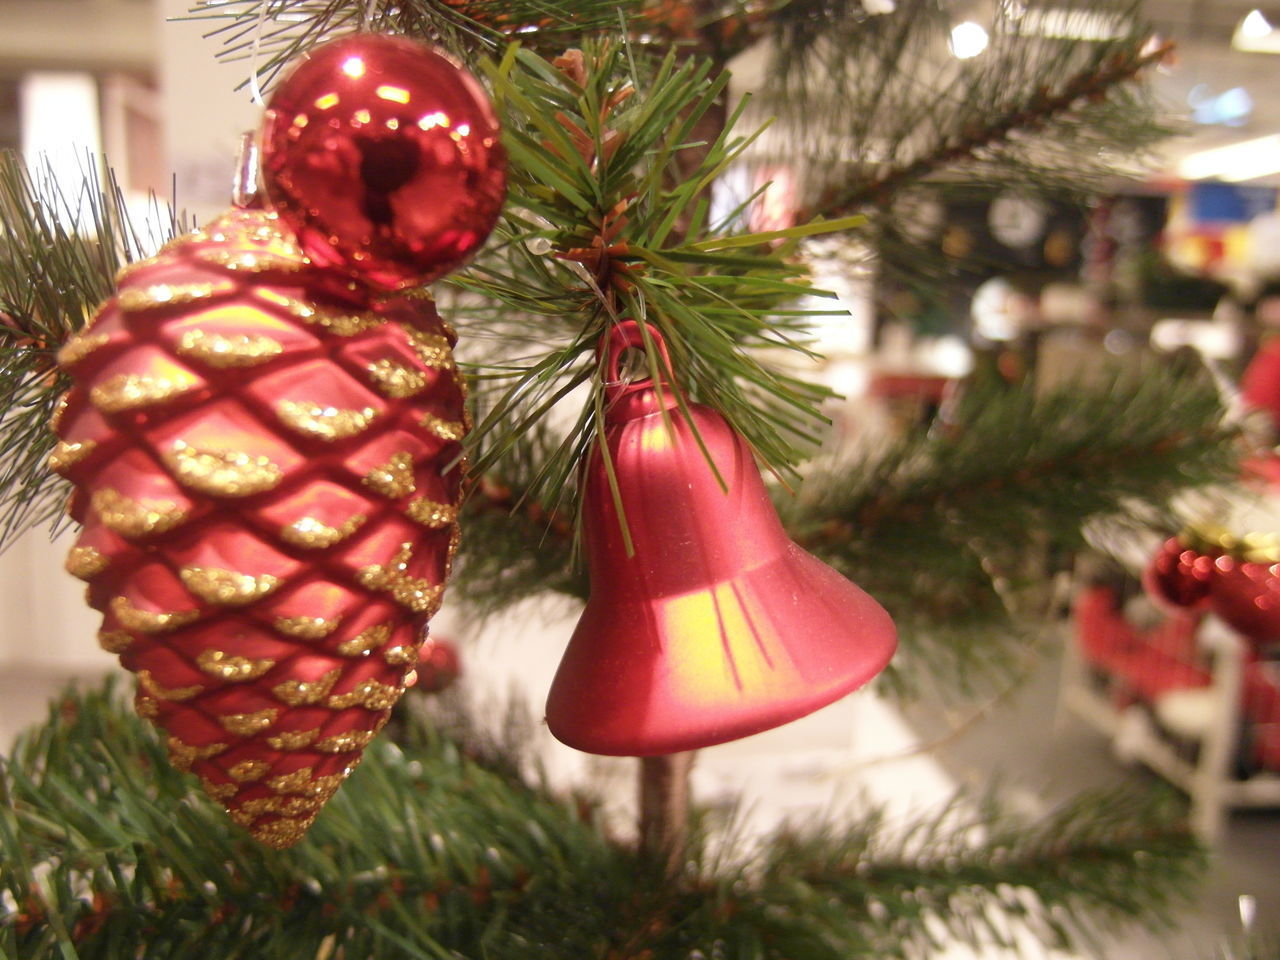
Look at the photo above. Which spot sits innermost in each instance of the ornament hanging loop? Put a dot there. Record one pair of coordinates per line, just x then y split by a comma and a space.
630, 396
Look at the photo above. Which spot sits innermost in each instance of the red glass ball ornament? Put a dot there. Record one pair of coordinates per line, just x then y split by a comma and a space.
1179, 578
385, 158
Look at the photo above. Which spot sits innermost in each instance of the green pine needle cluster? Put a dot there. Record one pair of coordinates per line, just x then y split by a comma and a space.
600, 230
60, 247
434, 851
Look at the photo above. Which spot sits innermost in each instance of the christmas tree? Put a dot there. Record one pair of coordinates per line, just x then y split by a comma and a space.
618, 127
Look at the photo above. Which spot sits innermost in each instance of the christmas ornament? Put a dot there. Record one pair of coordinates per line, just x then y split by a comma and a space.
1247, 596
438, 665
265, 471
715, 625
1178, 577
1236, 578
385, 158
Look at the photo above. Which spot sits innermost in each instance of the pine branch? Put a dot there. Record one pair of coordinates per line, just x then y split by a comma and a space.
60, 247
1071, 101
105, 849
592, 238
270, 34
1014, 457
973, 507
1064, 879
897, 108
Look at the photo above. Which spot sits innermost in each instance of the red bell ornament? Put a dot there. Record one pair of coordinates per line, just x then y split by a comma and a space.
715, 625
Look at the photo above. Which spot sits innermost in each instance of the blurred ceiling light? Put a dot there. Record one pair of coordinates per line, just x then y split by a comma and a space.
1246, 160
1254, 25
1231, 108
1070, 24
968, 39
1255, 34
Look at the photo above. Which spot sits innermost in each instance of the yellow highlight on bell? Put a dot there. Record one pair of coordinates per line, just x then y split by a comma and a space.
730, 647
394, 94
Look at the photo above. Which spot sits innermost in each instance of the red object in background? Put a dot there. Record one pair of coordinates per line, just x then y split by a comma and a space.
1178, 578
897, 386
716, 626
1260, 385
261, 472
1142, 664
386, 159
1247, 596
1262, 470
438, 665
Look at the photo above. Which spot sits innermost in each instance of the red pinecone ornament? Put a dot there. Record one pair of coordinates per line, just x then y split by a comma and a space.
261, 456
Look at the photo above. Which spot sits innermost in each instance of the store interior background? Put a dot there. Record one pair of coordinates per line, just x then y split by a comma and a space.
113, 75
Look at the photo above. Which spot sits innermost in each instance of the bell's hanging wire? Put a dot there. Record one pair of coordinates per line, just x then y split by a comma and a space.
255, 91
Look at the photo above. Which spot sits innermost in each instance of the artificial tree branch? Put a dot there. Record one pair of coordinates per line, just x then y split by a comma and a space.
60, 247
1083, 89
270, 34
438, 849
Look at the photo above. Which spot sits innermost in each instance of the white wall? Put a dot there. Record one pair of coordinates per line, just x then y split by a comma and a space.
203, 115
78, 34
44, 621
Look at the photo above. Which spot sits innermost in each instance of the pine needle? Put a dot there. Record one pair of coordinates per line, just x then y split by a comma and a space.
270, 34
60, 247
436, 849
